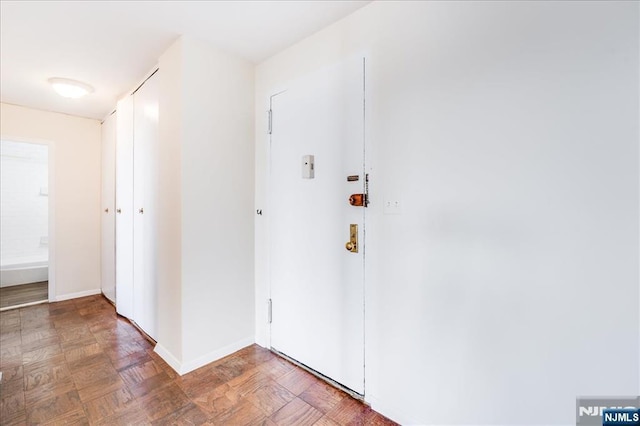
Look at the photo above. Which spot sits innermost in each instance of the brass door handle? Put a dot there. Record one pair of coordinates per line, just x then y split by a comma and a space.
352, 244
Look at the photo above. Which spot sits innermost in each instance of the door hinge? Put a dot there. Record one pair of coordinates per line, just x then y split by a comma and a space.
270, 310
270, 121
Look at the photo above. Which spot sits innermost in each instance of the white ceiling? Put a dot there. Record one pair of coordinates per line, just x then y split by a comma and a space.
112, 45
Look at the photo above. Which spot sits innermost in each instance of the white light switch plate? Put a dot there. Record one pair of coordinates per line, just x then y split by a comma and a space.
308, 167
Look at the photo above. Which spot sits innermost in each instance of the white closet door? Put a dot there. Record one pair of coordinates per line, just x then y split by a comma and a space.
108, 207
124, 207
144, 195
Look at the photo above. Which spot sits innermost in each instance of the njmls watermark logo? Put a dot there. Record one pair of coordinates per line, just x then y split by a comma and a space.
608, 411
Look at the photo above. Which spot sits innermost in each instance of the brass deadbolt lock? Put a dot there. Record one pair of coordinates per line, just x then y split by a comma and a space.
357, 200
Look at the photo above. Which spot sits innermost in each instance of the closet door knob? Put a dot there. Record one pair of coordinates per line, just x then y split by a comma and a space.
118, 211
106, 210
141, 211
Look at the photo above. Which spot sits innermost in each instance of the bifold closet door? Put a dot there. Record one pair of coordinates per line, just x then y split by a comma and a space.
108, 261
124, 207
145, 148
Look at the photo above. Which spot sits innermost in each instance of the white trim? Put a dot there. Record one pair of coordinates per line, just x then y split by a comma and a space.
184, 368
24, 305
75, 295
392, 413
262, 345
168, 357
264, 339
52, 221
216, 355
51, 145
51, 185
57, 299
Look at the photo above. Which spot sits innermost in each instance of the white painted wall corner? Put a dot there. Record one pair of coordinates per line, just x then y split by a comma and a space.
184, 368
168, 358
216, 355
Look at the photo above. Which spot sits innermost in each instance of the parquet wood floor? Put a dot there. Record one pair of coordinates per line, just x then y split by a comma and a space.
77, 363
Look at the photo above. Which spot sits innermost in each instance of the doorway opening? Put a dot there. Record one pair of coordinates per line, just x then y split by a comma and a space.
317, 174
24, 216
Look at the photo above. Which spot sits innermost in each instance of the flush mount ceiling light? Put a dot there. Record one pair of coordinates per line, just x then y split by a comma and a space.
70, 88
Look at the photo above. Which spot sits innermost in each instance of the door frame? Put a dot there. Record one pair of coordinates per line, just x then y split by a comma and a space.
268, 203
278, 90
51, 212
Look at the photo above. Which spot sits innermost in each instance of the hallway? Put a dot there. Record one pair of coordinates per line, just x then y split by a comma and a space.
77, 362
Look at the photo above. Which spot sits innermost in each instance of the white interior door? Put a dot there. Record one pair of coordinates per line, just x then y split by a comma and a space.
145, 149
124, 207
317, 285
108, 207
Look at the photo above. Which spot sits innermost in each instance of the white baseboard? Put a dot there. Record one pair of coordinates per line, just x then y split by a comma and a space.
262, 345
390, 412
184, 368
168, 357
75, 295
216, 355
262, 341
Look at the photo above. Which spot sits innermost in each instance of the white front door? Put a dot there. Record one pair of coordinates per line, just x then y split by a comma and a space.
317, 285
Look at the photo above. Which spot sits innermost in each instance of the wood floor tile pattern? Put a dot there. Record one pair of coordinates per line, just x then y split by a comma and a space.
77, 363
24, 293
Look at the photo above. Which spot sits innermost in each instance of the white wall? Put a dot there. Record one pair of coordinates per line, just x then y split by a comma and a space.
217, 202
169, 218
509, 131
75, 145
206, 116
